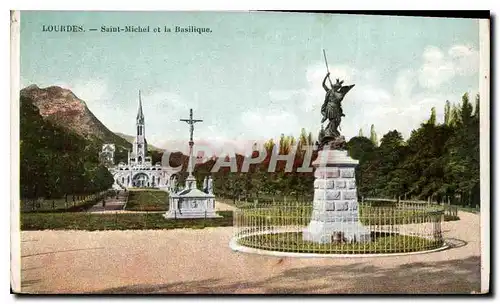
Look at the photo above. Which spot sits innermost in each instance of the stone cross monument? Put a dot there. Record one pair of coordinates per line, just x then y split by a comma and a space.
191, 202
335, 207
191, 180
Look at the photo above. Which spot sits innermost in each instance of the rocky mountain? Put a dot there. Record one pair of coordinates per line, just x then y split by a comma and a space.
63, 108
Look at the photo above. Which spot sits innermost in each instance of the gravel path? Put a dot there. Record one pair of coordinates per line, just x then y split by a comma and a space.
219, 206
112, 204
200, 261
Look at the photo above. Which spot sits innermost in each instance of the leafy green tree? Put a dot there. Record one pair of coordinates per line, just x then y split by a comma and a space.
432, 119
392, 153
462, 159
476, 108
310, 139
363, 149
373, 135
447, 113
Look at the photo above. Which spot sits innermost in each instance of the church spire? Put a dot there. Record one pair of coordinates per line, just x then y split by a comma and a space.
140, 115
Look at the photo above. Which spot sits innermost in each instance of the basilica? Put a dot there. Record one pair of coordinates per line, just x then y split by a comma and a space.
139, 171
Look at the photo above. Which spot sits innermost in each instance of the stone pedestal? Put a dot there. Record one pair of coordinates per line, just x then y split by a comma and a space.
335, 208
191, 203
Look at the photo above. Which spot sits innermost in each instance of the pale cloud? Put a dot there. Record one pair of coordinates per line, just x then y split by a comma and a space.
267, 123
404, 84
439, 68
370, 94
403, 109
281, 95
466, 59
432, 54
381, 111
163, 111
436, 69
165, 100
316, 72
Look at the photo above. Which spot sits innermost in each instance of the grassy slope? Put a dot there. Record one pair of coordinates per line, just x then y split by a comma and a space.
147, 200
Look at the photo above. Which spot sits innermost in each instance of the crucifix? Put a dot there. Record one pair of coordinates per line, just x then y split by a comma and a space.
191, 123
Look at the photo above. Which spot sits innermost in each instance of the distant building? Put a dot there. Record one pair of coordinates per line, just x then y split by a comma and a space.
107, 155
139, 170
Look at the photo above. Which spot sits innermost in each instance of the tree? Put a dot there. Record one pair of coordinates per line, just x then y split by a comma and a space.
455, 116
373, 136
310, 139
432, 119
363, 149
466, 110
360, 133
269, 146
462, 159
360, 148
155, 156
476, 108
447, 113
392, 152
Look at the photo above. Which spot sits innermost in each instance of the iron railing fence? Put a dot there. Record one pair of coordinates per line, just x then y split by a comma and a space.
281, 227
450, 211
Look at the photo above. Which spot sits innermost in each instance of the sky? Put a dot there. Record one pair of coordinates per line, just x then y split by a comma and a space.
256, 75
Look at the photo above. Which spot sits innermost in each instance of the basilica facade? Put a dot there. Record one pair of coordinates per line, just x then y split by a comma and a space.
139, 170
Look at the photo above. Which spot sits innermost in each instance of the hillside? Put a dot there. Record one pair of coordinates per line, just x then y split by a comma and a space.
64, 109
55, 161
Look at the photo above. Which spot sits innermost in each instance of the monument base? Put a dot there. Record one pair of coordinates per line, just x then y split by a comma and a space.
331, 232
334, 216
190, 214
191, 203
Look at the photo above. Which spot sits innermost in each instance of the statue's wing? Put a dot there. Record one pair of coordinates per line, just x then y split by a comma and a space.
345, 89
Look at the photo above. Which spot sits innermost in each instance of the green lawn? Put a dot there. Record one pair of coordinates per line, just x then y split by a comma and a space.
116, 221
292, 242
147, 200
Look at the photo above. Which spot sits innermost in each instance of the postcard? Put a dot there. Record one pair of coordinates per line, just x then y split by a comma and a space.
249, 152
